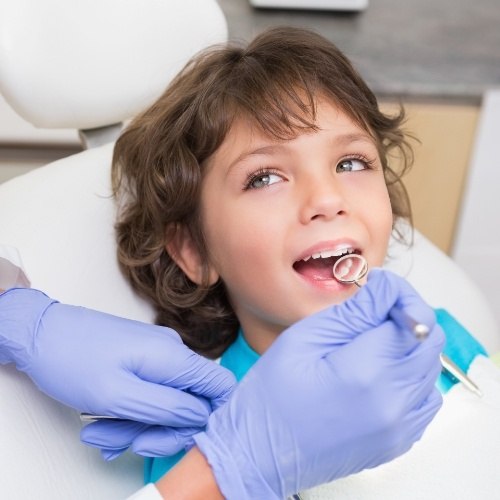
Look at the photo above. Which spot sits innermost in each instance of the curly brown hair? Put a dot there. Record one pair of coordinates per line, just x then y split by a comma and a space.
159, 160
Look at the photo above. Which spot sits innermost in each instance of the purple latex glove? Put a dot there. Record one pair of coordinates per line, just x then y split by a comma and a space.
105, 365
340, 391
114, 437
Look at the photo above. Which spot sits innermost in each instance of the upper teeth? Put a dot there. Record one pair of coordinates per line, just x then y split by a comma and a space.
325, 254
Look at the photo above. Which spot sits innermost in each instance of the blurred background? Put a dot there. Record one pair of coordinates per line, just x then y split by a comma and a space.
439, 58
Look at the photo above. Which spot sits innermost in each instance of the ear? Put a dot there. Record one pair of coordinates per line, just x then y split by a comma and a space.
184, 252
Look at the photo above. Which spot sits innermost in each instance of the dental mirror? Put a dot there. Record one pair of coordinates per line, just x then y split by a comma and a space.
350, 269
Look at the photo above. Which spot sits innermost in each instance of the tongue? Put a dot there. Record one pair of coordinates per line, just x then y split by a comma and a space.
316, 269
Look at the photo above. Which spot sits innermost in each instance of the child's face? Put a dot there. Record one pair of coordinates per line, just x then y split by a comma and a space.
268, 206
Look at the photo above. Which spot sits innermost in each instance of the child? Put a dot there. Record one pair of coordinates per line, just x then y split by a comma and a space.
207, 171
241, 186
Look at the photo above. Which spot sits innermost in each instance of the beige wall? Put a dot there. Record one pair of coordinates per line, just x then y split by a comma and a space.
435, 183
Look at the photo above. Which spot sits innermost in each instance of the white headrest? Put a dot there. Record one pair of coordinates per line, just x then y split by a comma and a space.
74, 64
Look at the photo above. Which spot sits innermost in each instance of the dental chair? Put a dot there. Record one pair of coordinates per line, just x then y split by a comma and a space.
91, 66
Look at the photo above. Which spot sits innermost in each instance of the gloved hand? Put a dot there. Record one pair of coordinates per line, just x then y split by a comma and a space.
102, 364
113, 437
340, 391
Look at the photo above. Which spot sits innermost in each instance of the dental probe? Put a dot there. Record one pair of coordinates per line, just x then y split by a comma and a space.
421, 332
456, 372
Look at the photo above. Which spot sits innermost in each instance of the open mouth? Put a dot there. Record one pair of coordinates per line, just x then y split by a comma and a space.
319, 266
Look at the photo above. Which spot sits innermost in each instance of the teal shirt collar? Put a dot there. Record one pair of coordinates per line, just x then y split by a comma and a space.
239, 357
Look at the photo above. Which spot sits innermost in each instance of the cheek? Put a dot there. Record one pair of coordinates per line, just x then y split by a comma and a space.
385, 214
241, 247
241, 250
381, 203
233, 242
385, 225
379, 218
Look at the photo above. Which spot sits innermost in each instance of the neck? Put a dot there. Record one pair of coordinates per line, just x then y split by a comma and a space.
260, 339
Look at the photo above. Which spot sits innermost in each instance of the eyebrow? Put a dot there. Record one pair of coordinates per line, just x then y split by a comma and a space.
339, 140
264, 150
345, 139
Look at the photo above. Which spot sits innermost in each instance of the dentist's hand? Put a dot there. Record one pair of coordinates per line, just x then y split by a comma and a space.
340, 391
105, 365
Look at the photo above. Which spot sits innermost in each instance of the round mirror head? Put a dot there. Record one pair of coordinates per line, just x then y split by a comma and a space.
350, 269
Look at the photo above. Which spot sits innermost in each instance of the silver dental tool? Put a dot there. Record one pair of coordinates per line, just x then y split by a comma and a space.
88, 417
456, 372
352, 268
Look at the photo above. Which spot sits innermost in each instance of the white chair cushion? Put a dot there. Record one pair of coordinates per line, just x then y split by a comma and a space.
94, 63
41, 456
60, 218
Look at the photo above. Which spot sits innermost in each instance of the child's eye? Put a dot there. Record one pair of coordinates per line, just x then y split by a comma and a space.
262, 179
352, 165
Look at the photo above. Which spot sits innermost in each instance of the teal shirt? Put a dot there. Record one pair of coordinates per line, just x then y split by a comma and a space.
461, 347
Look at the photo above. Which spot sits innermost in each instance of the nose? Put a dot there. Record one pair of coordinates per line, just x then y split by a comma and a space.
322, 198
